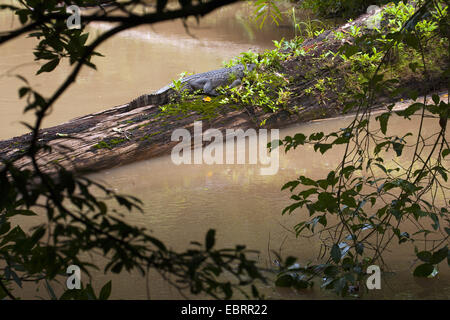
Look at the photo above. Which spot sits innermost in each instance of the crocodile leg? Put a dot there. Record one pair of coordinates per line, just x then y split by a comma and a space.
205, 85
198, 84
235, 83
208, 89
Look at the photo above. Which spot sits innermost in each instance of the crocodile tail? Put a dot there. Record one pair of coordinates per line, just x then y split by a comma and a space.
139, 102
151, 99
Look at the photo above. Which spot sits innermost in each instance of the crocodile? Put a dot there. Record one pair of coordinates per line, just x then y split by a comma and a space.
206, 81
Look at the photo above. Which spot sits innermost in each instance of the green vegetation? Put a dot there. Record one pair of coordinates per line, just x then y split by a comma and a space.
264, 87
207, 107
347, 68
308, 28
148, 136
260, 89
267, 9
369, 194
108, 143
338, 8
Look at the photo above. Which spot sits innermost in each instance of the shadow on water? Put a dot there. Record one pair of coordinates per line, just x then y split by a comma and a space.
182, 202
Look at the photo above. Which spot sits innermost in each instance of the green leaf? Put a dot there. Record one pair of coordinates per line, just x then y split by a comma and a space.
23, 91
424, 270
117, 267
299, 138
5, 227
105, 292
411, 40
410, 110
381, 167
20, 212
49, 66
23, 15
83, 38
331, 271
359, 248
89, 291
284, 281
398, 148
16, 278
442, 172
445, 153
38, 234
255, 292
349, 50
307, 181
274, 144
50, 290
2, 294
413, 66
210, 239
323, 147
331, 178
292, 207
435, 219
335, 253
425, 256
436, 99
383, 121
301, 284
291, 184
160, 245
69, 294
290, 261
316, 136
439, 255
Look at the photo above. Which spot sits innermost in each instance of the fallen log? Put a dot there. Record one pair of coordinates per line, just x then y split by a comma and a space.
116, 137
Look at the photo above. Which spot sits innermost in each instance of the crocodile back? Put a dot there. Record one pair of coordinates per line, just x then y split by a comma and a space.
218, 76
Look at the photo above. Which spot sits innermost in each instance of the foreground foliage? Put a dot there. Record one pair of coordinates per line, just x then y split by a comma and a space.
362, 208
74, 214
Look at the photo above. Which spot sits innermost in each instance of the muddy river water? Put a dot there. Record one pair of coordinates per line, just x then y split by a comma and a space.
182, 202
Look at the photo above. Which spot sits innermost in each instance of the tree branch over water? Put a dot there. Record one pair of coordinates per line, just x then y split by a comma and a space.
90, 225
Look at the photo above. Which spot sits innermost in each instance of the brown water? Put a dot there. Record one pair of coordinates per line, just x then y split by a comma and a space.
182, 202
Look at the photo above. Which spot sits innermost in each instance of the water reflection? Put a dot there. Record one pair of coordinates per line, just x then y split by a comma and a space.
182, 202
